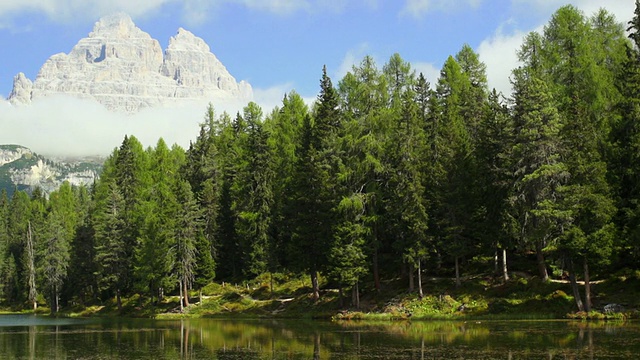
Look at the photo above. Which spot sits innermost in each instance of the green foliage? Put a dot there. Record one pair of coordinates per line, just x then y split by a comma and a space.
381, 176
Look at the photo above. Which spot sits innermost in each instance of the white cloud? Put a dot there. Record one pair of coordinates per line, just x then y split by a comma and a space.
419, 8
352, 57
271, 97
622, 9
69, 10
498, 52
429, 70
67, 126
193, 11
283, 7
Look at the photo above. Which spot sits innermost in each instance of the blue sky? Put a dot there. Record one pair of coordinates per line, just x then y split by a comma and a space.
280, 45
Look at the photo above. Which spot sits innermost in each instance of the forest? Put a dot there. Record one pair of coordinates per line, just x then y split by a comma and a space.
386, 175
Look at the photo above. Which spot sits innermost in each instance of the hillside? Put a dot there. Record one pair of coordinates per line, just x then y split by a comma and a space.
22, 169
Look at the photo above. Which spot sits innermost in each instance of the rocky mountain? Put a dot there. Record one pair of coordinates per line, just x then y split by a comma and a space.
125, 69
22, 169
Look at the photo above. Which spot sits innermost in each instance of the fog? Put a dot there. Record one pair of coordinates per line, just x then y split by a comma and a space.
63, 126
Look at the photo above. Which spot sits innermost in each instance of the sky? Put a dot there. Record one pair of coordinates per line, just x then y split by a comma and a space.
276, 45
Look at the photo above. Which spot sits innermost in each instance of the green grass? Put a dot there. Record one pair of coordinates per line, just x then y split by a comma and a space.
479, 297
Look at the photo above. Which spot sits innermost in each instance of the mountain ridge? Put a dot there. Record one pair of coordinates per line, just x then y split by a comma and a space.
23, 169
123, 68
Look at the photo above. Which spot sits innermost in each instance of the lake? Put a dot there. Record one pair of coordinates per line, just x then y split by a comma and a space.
40, 337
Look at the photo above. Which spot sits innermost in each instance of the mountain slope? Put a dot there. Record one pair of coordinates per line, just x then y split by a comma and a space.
22, 169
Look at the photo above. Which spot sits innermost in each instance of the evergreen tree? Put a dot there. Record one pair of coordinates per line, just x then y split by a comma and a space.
4, 241
537, 167
312, 199
110, 246
254, 209
187, 232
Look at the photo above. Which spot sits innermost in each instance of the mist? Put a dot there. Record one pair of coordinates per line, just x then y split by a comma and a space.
64, 126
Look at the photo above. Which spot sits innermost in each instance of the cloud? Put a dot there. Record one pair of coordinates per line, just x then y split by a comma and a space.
193, 11
623, 10
60, 125
271, 97
353, 57
498, 52
69, 10
282, 7
66, 126
429, 70
418, 8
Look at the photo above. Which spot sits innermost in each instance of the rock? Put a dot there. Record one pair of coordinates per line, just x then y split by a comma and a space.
25, 170
125, 69
613, 308
22, 87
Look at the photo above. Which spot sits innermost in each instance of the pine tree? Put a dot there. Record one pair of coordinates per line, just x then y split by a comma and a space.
4, 241
110, 245
254, 209
187, 232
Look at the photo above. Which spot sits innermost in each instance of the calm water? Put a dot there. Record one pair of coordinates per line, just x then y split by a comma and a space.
31, 337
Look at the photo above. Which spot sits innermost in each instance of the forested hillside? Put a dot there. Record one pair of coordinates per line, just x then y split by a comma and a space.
387, 175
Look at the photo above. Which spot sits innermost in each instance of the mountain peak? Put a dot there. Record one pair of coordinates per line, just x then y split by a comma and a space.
117, 25
125, 69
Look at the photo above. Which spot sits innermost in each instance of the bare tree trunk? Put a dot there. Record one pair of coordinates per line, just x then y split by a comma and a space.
31, 268
376, 270
458, 282
420, 293
314, 285
181, 304
341, 295
411, 282
355, 295
270, 284
185, 293
505, 273
495, 260
542, 266
587, 287
574, 287
118, 300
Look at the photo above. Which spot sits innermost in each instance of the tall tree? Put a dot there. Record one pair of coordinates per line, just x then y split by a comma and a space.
537, 166
187, 232
254, 209
312, 188
110, 246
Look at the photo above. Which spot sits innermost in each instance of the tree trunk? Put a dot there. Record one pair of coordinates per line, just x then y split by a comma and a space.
505, 273
119, 300
185, 293
495, 260
542, 266
355, 295
420, 293
181, 303
270, 284
574, 287
458, 282
376, 270
411, 282
587, 287
340, 295
315, 286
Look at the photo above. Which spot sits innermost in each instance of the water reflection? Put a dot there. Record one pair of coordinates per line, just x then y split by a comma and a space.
44, 338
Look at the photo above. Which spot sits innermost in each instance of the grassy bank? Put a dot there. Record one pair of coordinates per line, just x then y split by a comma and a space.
479, 297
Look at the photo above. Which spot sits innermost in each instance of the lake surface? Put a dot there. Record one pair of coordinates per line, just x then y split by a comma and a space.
38, 337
